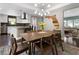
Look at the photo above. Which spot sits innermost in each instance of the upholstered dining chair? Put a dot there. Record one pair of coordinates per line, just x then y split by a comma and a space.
17, 48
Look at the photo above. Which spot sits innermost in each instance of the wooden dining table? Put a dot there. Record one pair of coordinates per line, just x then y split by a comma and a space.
31, 36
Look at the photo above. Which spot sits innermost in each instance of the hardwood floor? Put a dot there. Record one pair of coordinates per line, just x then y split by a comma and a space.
68, 49
4, 40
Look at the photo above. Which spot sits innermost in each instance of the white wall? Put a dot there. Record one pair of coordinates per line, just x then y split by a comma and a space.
71, 12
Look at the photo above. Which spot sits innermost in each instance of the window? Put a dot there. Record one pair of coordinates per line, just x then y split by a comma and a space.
70, 23
65, 23
76, 23
12, 20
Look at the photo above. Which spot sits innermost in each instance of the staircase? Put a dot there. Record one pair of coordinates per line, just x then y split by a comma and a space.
54, 21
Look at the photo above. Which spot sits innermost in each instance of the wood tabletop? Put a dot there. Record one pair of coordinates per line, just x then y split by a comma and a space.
30, 36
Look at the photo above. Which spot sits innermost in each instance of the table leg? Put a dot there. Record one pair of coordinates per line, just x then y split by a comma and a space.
33, 48
61, 44
51, 43
30, 48
41, 46
55, 47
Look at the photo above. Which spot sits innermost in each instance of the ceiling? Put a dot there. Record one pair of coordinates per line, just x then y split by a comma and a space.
31, 8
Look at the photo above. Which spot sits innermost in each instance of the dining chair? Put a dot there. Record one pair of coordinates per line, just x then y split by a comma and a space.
58, 40
17, 48
54, 43
44, 45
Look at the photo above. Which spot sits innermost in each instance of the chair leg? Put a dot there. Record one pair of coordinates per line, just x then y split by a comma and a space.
10, 52
55, 48
61, 45
33, 48
30, 48
41, 46
52, 46
53, 51
26, 51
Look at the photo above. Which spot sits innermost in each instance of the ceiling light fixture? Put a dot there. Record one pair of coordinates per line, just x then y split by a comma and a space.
42, 9
48, 5
45, 14
35, 12
39, 13
35, 5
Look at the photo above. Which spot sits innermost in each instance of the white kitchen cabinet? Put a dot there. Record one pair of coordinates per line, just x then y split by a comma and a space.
3, 18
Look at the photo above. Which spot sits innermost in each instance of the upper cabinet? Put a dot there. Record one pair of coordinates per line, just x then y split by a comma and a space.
19, 20
3, 18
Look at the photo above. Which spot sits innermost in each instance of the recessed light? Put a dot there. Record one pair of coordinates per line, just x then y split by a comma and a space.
35, 5
48, 5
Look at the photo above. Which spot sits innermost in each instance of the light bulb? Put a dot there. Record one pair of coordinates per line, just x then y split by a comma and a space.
39, 14
42, 9
45, 14
35, 5
35, 12
48, 5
